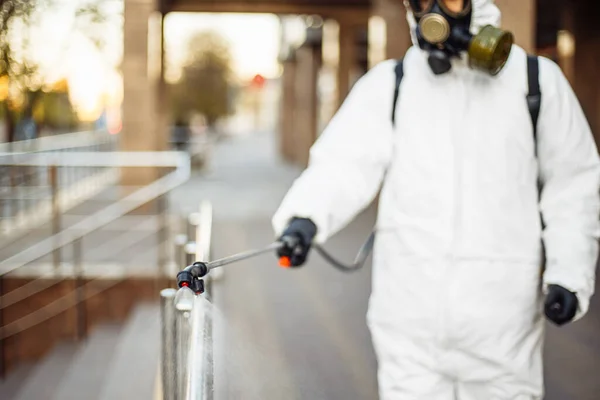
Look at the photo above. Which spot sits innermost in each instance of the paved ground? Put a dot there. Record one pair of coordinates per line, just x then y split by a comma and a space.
301, 334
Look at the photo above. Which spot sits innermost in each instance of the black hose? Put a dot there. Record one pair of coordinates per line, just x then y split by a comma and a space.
359, 261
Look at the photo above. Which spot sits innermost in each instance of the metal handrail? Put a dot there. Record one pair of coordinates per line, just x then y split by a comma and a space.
58, 142
114, 211
156, 189
187, 364
29, 195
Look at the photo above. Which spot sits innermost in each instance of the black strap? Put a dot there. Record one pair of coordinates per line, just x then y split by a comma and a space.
534, 102
534, 97
399, 71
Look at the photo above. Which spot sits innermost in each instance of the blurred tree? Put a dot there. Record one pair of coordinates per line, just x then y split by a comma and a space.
21, 84
54, 109
206, 80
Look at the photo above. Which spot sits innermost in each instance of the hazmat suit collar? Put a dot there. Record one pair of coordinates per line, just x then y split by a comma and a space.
485, 12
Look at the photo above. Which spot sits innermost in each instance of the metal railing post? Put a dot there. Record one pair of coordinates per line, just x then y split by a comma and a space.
190, 248
180, 241
168, 345
197, 387
187, 371
203, 253
183, 340
53, 178
81, 312
162, 237
2, 339
190, 253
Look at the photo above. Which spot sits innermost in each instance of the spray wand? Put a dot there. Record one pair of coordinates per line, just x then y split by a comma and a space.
191, 277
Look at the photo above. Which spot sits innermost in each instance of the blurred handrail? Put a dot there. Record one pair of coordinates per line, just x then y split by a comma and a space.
98, 159
25, 201
59, 142
110, 213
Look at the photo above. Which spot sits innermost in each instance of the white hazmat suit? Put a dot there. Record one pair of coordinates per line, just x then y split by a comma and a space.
456, 310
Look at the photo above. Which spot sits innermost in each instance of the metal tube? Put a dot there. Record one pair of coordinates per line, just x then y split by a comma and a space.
81, 321
180, 241
243, 256
183, 338
168, 348
53, 177
2, 339
192, 223
196, 385
203, 252
162, 235
204, 232
190, 253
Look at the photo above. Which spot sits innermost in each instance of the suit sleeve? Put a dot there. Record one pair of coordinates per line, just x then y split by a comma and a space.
348, 161
570, 201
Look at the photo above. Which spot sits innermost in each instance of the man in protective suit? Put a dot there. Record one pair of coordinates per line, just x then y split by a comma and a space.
458, 294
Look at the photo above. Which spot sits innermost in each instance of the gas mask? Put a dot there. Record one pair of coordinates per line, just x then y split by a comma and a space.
445, 35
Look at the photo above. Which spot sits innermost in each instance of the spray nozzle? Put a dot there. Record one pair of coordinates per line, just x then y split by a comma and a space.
191, 276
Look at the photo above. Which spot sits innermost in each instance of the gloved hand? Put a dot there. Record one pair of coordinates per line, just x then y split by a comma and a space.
561, 305
297, 239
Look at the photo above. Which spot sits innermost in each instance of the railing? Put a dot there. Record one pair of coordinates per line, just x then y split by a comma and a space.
86, 285
29, 195
187, 363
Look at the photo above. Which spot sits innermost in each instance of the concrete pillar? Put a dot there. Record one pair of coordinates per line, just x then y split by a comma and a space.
398, 39
141, 74
586, 60
308, 58
519, 17
287, 109
163, 100
361, 37
347, 58
353, 59
566, 43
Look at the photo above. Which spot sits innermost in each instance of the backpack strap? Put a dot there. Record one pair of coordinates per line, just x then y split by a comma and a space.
534, 97
534, 102
399, 71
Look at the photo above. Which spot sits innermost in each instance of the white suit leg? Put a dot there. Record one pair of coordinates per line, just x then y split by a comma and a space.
497, 331
403, 371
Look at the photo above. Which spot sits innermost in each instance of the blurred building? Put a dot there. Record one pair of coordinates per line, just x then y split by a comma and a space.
327, 45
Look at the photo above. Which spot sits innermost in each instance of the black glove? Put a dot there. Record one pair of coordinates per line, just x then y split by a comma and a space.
561, 305
297, 239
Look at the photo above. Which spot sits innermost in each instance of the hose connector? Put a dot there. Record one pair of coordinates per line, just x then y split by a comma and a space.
198, 269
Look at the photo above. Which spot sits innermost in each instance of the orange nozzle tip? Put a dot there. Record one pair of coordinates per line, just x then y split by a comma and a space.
285, 262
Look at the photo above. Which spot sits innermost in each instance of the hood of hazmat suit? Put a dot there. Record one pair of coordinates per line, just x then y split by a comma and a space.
457, 291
